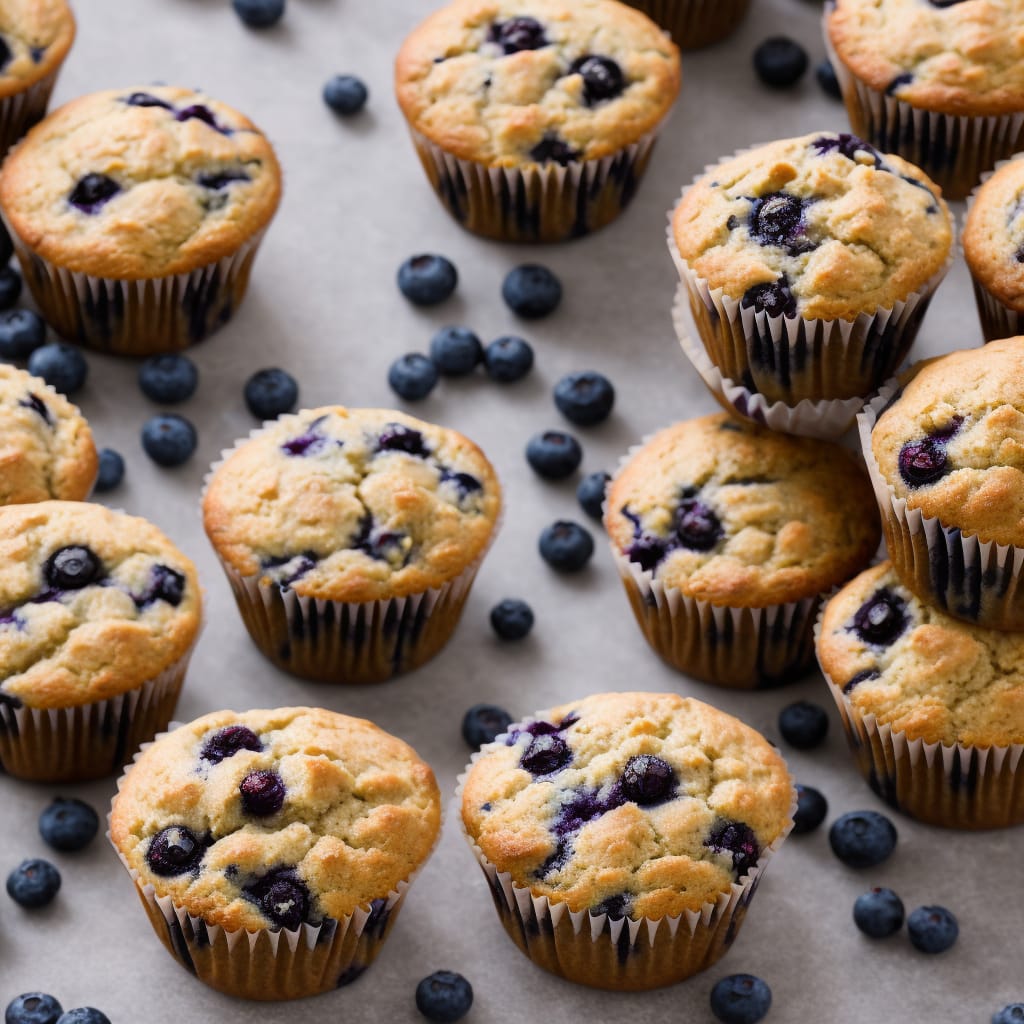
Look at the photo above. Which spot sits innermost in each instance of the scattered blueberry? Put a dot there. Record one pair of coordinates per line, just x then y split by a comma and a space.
427, 279
566, 546
175, 850
774, 298
648, 780
482, 723
590, 494
585, 398
10, 287
271, 393
522, 33
826, 76
444, 997
33, 883
259, 13
602, 77
811, 809
84, 1015
93, 192
1012, 1014
881, 619
22, 331
545, 755
263, 793
456, 351
512, 619
229, 741
923, 462
878, 913
345, 94
33, 1008
862, 839
932, 929
697, 526
169, 439
412, 376
508, 359
68, 825
803, 725
531, 291
111, 471
72, 568
554, 454
780, 61
282, 896
553, 150
169, 378
740, 999
62, 366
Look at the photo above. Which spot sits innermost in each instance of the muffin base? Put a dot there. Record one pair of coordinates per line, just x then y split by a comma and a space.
695, 23
22, 110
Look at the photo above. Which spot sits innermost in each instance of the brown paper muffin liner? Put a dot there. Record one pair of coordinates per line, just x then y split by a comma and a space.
970, 579
24, 109
624, 954
827, 421
695, 23
537, 203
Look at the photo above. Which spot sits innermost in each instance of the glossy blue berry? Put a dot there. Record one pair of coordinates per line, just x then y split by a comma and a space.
512, 619
259, 13
862, 839
22, 331
1011, 1014
508, 359
169, 439
811, 809
33, 1008
169, 378
780, 62
590, 494
740, 999
345, 94
33, 883
444, 996
932, 929
10, 287
482, 723
825, 74
84, 1015
68, 825
585, 398
111, 471
271, 393
427, 279
566, 546
878, 913
554, 454
412, 376
531, 291
456, 351
62, 366
803, 725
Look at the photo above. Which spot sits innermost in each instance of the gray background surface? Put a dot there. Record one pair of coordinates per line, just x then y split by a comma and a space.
323, 304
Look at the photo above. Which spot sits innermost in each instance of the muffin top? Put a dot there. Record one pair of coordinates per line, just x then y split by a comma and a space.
35, 36
46, 447
352, 504
631, 804
917, 669
518, 82
273, 819
734, 514
93, 603
994, 235
952, 443
951, 56
140, 183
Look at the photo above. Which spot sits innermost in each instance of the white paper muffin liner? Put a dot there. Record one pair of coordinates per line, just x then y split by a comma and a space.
623, 954
695, 23
827, 421
970, 579
22, 110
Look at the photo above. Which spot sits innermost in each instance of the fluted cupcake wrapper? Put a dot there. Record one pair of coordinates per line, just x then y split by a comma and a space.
695, 23
827, 420
970, 579
621, 954
22, 110
540, 202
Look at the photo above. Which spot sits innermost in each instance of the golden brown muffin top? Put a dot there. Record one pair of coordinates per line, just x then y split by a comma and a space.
994, 235
35, 36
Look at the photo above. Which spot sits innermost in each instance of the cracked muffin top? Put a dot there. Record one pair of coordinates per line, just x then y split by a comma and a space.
46, 447
352, 504
822, 226
139, 183
630, 804
915, 668
35, 36
275, 819
516, 82
93, 603
994, 235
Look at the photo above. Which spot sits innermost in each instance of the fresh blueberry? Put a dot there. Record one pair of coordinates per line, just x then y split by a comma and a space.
648, 780
33, 883
482, 723
511, 619
881, 619
780, 62
554, 454
62, 367
282, 897
21, 332
345, 94
803, 725
531, 291
427, 279
932, 929
10, 287
602, 77
585, 398
111, 471
590, 494
84, 1015
878, 913
740, 999
811, 809
412, 376
826, 77
456, 351
68, 825
508, 359
545, 754
271, 393
229, 741
1012, 1014
93, 192
263, 793
72, 568
522, 33
169, 439
444, 996
174, 851
33, 1008
169, 378
566, 546
862, 839
259, 13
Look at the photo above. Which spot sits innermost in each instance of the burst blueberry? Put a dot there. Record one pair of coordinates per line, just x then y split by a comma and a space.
259, 13
263, 793
881, 619
444, 997
62, 366
111, 471
169, 440
773, 297
591, 492
168, 378
345, 94
602, 77
33, 883
932, 929
803, 725
531, 291
648, 780
33, 1008
508, 359
483, 723
282, 897
271, 393
175, 850
516, 34
778, 219
93, 192
811, 809
862, 839
72, 568
512, 619
545, 755
553, 150
10, 287
397, 437
697, 526
22, 331
738, 840
146, 99
923, 462
554, 454
740, 999
456, 351
585, 398
427, 279
780, 62
878, 913
229, 741
68, 825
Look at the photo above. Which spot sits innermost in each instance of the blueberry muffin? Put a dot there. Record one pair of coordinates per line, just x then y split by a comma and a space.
809, 264
930, 680
631, 806
940, 83
136, 214
46, 447
99, 612
351, 538
270, 821
726, 534
950, 448
534, 119
695, 23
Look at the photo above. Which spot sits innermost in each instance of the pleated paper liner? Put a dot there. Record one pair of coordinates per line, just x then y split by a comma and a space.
970, 579
22, 110
540, 202
695, 23
622, 954
827, 421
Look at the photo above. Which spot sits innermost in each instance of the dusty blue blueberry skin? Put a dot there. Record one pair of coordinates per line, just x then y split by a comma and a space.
932, 929
33, 883
512, 619
456, 351
590, 494
566, 546
259, 13
482, 723
862, 839
169, 440
168, 379
585, 398
345, 94
33, 1008
22, 331
554, 454
1011, 1014
271, 393
811, 809
444, 997
84, 1015
508, 359
68, 825
10, 287
878, 913
111, 471
427, 279
531, 291
62, 366
740, 999
412, 377
803, 725
780, 62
